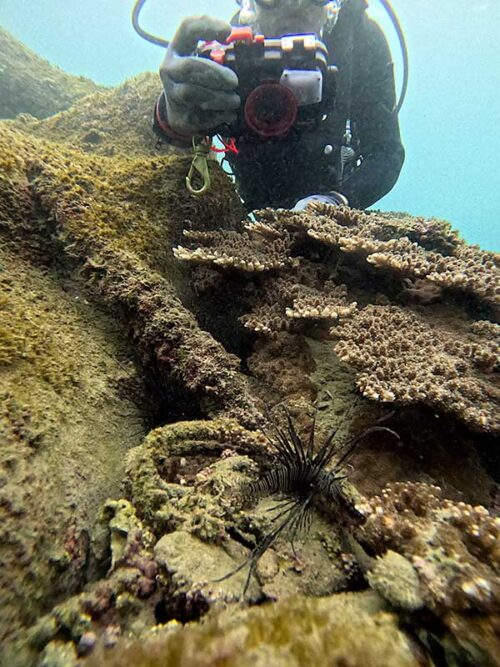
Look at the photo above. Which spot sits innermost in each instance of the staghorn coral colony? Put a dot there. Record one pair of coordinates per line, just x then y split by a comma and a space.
149, 341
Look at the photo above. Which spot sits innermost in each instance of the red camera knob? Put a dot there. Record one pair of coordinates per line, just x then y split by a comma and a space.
240, 34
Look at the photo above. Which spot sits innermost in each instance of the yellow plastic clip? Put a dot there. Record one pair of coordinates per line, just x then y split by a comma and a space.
198, 179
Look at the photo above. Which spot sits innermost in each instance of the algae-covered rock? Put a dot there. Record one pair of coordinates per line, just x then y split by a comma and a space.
65, 427
31, 85
191, 561
108, 122
349, 629
395, 578
72, 402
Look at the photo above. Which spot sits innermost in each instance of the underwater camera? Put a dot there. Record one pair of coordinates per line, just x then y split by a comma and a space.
285, 83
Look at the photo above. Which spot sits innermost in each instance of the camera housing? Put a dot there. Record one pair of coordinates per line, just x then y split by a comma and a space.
285, 83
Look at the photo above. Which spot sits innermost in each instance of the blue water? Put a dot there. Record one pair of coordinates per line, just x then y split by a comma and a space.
450, 122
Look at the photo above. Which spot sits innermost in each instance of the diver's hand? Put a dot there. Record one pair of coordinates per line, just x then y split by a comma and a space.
200, 94
333, 198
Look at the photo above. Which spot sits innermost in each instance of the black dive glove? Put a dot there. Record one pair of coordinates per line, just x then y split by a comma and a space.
200, 94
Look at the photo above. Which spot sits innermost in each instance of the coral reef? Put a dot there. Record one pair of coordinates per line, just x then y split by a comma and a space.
147, 333
454, 549
31, 85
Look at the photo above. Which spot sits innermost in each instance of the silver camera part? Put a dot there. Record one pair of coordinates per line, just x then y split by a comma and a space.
305, 84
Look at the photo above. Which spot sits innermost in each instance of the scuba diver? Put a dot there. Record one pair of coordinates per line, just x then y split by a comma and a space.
351, 154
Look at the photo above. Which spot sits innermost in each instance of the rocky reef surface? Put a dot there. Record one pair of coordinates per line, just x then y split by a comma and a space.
155, 348
31, 85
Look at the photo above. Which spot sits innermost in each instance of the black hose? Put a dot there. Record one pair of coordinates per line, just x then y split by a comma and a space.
404, 50
142, 33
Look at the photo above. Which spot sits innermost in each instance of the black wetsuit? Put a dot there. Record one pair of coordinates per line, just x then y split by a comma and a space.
279, 172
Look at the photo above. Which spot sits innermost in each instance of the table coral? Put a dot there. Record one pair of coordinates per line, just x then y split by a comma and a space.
411, 247
402, 356
296, 301
444, 359
233, 250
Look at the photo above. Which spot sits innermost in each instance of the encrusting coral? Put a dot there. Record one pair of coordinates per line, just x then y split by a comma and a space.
85, 260
109, 122
394, 577
454, 547
65, 426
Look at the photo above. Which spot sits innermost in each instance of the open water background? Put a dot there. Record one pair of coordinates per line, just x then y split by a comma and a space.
450, 122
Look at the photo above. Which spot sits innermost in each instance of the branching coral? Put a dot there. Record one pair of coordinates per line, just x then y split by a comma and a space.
404, 357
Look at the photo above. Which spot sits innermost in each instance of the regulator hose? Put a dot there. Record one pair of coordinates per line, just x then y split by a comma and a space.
139, 4
404, 50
